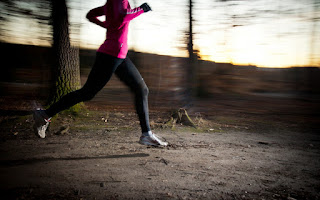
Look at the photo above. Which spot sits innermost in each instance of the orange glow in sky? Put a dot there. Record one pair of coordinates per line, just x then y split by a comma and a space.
263, 33
275, 39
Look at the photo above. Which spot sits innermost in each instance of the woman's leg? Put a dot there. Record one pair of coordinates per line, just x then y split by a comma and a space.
101, 72
129, 74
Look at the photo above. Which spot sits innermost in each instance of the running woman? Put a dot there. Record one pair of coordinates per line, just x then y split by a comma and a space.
111, 58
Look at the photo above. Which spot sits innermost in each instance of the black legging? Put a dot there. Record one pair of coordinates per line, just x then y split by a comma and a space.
101, 72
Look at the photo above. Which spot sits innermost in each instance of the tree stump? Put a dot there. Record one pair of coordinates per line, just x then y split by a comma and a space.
181, 116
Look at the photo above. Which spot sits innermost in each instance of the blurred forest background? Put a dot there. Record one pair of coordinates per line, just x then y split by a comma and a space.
191, 67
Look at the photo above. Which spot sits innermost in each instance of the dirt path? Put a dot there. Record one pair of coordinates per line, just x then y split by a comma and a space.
110, 164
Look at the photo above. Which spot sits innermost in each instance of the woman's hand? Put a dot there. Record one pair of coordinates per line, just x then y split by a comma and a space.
145, 7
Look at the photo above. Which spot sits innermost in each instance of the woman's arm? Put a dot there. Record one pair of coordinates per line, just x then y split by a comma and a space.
93, 15
122, 7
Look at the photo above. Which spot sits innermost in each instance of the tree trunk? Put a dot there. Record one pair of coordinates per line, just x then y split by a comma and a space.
190, 32
66, 58
191, 72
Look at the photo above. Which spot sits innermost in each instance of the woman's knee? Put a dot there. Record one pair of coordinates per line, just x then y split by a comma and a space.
89, 96
141, 89
144, 89
85, 94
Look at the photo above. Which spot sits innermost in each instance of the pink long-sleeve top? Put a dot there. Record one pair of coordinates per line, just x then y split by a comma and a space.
118, 15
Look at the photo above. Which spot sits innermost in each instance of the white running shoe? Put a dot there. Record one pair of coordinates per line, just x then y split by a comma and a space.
152, 140
41, 122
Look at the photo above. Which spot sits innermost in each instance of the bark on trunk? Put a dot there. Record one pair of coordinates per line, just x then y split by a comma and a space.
66, 58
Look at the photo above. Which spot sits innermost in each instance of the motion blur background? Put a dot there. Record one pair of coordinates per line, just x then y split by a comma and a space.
248, 52
265, 33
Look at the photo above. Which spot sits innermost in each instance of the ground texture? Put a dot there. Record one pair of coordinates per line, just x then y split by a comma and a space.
96, 155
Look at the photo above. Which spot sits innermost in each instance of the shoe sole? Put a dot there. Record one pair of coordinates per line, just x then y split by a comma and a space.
153, 144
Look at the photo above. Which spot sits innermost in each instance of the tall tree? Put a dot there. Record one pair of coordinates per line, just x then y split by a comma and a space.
66, 58
190, 32
191, 86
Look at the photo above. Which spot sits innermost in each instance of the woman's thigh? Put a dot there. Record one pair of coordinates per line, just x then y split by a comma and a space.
129, 74
101, 72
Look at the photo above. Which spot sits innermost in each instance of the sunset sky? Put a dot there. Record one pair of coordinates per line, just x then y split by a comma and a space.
266, 33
